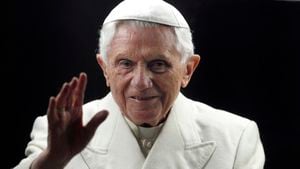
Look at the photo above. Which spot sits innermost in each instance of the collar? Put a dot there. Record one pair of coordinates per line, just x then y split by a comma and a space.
146, 136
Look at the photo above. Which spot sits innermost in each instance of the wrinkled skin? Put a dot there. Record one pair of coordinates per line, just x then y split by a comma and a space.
145, 72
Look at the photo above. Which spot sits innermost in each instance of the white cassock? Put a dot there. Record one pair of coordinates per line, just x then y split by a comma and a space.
195, 136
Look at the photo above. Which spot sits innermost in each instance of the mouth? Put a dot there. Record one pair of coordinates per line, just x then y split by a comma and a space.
143, 98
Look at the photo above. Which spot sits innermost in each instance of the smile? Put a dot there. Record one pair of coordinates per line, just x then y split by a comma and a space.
143, 98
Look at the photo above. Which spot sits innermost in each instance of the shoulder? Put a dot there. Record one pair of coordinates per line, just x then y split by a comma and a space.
215, 116
212, 122
201, 110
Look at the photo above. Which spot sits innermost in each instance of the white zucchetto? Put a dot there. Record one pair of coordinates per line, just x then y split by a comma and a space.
157, 11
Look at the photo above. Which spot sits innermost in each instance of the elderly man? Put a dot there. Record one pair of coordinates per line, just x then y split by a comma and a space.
146, 54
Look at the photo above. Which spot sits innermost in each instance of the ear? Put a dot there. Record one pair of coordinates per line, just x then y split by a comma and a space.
102, 64
190, 66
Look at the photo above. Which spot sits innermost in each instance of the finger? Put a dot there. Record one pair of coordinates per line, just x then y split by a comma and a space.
51, 112
78, 96
92, 125
70, 99
80, 90
62, 96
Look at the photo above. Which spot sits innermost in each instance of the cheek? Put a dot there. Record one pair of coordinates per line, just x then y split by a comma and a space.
118, 86
172, 81
169, 85
116, 78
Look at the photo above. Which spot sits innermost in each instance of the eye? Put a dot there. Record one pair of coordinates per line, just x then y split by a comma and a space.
125, 64
158, 66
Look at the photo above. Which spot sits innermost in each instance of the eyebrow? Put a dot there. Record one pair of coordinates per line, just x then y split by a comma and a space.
148, 58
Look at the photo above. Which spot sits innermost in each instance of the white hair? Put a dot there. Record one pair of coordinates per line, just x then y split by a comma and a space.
184, 44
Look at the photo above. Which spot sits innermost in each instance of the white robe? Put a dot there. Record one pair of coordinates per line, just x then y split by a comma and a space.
195, 136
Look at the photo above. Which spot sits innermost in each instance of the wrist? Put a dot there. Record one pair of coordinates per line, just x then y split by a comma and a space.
47, 160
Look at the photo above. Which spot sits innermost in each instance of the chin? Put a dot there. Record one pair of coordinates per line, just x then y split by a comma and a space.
138, 120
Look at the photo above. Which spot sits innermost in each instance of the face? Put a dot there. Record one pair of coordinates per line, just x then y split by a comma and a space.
145, 73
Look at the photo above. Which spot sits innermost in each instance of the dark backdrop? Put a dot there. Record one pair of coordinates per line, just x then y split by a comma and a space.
250, 64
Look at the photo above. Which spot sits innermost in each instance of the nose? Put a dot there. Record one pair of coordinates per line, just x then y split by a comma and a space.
141, 79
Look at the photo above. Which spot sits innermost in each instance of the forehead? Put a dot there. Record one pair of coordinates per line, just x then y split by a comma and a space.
136, 39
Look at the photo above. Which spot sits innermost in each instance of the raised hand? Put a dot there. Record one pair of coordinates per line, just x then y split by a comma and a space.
66, 134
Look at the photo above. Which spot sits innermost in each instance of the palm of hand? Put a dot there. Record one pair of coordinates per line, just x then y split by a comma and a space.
67, 136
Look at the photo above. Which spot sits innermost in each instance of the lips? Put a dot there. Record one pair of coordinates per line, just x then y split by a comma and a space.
143, 98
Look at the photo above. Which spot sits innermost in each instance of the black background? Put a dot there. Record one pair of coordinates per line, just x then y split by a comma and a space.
250, 64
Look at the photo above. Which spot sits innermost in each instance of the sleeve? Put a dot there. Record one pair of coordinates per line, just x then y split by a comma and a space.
37, 144
250, 153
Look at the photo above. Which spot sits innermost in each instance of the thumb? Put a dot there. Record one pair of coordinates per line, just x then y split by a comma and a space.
93, 124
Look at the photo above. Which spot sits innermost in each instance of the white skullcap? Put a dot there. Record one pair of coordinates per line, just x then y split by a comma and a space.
157, 11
